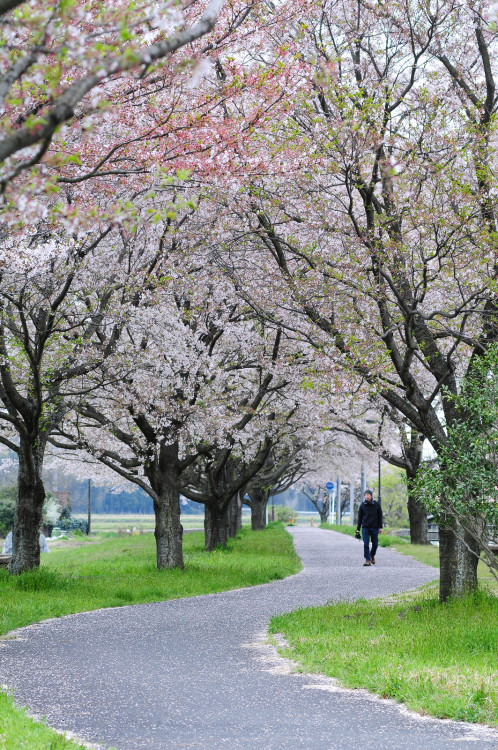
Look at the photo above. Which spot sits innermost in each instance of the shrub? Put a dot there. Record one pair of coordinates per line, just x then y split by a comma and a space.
284, 514
68, 523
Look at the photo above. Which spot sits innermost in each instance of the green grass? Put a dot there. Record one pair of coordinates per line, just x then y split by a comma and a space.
437, 659
117, 571
424, 553
19, 732
142, 521
122, 570
385, 540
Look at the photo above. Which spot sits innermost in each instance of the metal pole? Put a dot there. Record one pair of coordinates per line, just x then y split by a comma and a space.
89, 506
351, 504
378, 494
338, 502
363, 482
266, 514
330, 506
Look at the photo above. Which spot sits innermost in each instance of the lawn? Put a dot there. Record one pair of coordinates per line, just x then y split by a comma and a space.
385, 540
424, 553
141, 521
117, 571
439, 660
111, 572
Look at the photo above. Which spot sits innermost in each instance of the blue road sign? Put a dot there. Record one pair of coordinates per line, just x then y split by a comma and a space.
330, 485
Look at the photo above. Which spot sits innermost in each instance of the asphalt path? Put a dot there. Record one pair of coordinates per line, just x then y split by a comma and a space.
196, 673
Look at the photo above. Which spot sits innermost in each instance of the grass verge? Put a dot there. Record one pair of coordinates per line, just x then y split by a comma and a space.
19, 732
119, 571
424, 553
122, 571
436, 659
385, 540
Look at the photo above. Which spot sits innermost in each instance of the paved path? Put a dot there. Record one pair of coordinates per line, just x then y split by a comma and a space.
188, 673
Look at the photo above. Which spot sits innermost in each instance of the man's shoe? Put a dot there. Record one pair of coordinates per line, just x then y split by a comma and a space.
366, 563
372, 560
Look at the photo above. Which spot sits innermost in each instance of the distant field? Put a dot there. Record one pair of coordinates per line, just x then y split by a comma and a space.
142, 522
102, 522
114, 521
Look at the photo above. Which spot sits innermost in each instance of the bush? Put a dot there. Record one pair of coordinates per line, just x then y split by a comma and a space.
8, 496
73, 524
284, 514
68, 523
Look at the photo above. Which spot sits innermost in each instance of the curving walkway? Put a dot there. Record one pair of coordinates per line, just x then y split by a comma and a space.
189, 673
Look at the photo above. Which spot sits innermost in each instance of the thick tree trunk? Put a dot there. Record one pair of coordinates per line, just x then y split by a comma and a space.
216, 525
168, 530
324, 516
258, 516
239, 510
458, 558
234, 516
29, 506
259, 501
164, 476
417, 515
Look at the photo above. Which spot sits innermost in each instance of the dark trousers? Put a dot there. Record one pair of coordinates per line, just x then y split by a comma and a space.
368, 534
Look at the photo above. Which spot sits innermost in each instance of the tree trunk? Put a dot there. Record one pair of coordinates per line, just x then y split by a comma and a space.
29, 506
216, 524
259, 501
168, 530
164, 477
417, 515
324, 516
234, 515
458, 558
239, 511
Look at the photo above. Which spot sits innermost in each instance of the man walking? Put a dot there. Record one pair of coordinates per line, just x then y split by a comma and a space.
370, 521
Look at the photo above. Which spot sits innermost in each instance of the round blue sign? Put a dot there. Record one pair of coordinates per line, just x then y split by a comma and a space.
330, 485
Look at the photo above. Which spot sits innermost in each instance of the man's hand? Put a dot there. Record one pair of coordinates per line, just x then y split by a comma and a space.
380, 531
357, 534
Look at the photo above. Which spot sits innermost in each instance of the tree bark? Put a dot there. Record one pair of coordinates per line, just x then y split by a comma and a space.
259, 501
324, 515
458, 558
417, 515
164, 476
168, 530
234, 516
29, 506
239, 511
216, 525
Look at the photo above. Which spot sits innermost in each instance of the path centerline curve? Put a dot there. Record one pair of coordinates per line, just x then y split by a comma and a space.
179, 674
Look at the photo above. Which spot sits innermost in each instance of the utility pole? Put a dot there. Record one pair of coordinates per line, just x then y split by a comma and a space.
351, 503
89, 506
378, 493
338, 502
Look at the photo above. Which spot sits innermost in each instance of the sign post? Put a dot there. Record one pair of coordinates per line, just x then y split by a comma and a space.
330, 487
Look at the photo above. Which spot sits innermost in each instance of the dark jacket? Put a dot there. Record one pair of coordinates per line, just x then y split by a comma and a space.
370, 515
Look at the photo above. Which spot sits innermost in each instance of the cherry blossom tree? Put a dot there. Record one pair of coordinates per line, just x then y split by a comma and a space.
54, 57
384, 431
51, 312
379, 242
